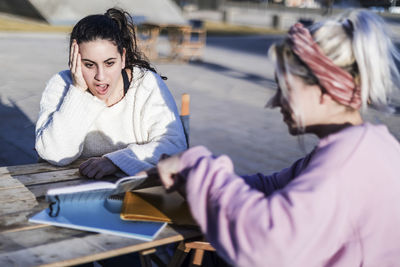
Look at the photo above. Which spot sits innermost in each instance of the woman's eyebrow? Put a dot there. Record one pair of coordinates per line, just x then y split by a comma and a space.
111, 58
91, 61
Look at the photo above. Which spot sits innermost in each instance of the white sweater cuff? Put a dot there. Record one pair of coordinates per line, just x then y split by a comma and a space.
128, 162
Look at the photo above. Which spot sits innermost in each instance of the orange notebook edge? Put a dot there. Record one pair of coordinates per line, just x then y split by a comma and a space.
136, 208
157, 206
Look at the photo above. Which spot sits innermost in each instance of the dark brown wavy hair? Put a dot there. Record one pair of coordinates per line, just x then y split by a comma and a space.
116, 26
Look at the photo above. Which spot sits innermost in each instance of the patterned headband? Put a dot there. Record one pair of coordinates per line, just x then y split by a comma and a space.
337, 82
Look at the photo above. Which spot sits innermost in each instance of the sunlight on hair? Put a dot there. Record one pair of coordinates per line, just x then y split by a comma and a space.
358, 42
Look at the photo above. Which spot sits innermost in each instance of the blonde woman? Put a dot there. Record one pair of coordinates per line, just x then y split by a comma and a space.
339, 205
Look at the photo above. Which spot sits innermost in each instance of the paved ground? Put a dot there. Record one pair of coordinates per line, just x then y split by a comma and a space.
229, 89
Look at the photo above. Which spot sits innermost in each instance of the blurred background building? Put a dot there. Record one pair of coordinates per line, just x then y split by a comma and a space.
216, 4
280, 14
68, 12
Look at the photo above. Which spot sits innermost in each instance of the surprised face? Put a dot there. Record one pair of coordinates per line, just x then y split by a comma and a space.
101, 68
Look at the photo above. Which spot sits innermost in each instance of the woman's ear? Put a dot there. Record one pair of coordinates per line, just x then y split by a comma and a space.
123, 58
325, 98
322, 93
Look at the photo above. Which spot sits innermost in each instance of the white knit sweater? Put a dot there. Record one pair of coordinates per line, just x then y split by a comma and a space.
132, 133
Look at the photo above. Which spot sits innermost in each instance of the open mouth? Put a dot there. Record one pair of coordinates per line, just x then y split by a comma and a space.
102, 89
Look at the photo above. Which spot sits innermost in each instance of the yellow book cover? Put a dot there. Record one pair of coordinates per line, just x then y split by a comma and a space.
154, 204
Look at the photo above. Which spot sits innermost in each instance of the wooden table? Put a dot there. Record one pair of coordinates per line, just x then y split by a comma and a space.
22, 191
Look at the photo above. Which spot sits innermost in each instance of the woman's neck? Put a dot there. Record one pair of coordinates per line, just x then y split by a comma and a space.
336, 124
119, 93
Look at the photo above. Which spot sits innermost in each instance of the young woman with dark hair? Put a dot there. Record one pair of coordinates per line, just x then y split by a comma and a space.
111, 106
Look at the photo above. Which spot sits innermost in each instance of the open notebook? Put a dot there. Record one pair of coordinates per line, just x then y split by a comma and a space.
154, 204
91, 207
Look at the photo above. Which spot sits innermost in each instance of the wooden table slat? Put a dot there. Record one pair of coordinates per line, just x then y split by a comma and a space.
77, 246
35, 168
17, 205
7, 182
16, 198
14, 221
48, 177
15, 194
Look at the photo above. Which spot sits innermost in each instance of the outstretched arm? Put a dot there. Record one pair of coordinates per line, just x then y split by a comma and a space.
250, 229
278, 180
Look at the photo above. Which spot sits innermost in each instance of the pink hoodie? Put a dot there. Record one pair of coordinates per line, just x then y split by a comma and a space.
339, 206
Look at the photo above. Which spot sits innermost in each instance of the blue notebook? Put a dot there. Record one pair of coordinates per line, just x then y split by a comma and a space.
89, 207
